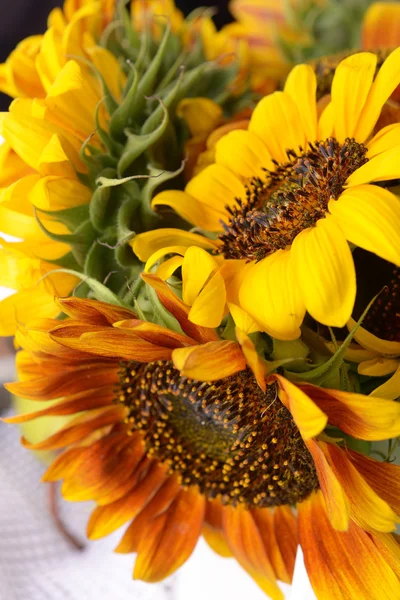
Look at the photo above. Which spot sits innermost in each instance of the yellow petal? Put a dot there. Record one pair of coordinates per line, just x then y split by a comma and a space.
57, 193
277, 121
325, 273
191, 209
372, 342
145, 244
242, 319
196, 270
202, 115
301, 86
27, 135
168, 267
216, 187
326, 123
390, 390
244, 153
379, 168
253, 359
369, 217
161, 253
210, 361
270, 294
72, 100
350, 88
386, 81
385, 139
379, 366
209, 306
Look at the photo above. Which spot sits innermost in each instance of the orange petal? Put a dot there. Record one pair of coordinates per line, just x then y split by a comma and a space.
64, 465
175, 536
342, 564
50, 387
91, 400
107, 470
179, 310
363, 417
211, 361
285, 524
383, 477
367, 509
106, 519
264, 520
381, 26
78, 430
246, 544
213, 528
94, 311
337, 504
142, 524
156, 334
308, 417
111, 343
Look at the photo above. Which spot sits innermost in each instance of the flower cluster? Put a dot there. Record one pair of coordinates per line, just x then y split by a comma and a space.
206, 265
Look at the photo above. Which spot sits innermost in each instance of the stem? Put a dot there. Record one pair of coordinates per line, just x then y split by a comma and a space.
55, 513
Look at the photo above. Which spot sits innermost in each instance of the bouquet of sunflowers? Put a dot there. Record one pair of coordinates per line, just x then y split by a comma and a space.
207, 283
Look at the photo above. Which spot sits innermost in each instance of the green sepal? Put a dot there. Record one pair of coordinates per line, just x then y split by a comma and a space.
138, 144
100, 264
121, 118
149, 218
109, 196
70, 217
328, 369
147, 82
68, 261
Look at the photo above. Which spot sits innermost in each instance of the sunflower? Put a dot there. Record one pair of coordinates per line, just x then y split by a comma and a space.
94, 129
291, 192
174, 437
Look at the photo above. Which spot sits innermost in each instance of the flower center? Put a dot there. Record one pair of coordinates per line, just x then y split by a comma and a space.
292, 198
234, 441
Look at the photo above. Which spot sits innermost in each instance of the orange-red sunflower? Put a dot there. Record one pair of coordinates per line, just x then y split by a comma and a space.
173, 437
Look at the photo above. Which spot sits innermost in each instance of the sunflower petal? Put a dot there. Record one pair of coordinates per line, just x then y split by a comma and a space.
381, 167
368, 510
246, 544
325, 273
197, 267
363, 417
244, 153
190, 209
269, 293
350, 88
342, 564
369, 216
390, 390
386, 81
372, 342
145, 244
381, 26
211, 361
309, 418
162, 554
301, 86
209, 306
276, 121
337, 504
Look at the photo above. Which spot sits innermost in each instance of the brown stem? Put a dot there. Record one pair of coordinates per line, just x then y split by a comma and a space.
55, 513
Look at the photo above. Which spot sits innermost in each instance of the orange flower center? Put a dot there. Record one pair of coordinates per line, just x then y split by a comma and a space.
292, 198
229, 438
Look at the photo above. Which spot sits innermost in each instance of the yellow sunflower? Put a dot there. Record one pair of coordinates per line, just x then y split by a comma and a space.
174, 437
295, 188
95, 128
